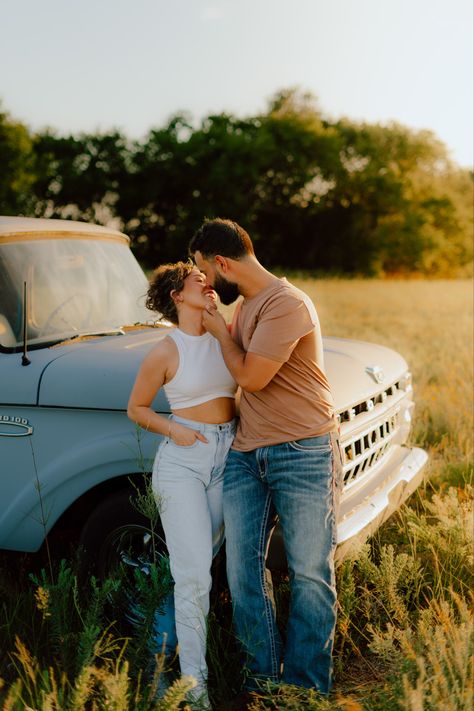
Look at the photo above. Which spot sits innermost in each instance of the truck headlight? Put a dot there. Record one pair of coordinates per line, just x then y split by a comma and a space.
406, 416
406, 382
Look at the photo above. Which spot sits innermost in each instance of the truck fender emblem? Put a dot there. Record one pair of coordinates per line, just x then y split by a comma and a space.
12, 426
376, 372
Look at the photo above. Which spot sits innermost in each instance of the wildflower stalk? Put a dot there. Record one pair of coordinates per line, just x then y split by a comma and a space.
44, 516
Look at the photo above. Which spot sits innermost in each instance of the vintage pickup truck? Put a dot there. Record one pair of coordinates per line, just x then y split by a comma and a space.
73, 331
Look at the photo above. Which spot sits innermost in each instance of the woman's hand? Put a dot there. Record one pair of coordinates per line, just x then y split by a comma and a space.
184, 436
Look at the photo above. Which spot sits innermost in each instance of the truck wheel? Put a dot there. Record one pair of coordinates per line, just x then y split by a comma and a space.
116, 533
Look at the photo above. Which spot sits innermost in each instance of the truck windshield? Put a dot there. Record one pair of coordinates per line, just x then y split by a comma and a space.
74, 286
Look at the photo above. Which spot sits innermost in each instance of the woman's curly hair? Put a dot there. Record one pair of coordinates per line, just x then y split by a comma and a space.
167, 278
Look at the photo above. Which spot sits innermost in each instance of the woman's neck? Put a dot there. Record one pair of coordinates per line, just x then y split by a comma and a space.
191, 322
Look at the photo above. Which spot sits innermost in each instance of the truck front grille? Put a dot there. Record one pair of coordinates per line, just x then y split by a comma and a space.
364, 452
365, 446
367, 405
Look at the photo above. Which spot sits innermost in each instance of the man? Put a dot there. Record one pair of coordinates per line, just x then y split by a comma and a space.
285, 460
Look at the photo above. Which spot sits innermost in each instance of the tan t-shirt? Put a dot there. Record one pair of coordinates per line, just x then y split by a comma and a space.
281, 323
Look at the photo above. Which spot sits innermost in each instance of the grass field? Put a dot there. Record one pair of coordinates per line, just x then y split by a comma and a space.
405, 629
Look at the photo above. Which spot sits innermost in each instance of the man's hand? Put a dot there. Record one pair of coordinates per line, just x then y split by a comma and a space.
214, 322
251, 371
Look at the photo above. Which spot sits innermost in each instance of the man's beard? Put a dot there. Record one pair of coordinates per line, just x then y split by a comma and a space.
227, 291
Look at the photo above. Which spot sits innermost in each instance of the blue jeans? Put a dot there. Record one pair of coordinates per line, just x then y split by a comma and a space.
187, 484
300, 482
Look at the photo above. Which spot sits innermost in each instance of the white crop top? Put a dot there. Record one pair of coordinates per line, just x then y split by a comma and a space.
202, 374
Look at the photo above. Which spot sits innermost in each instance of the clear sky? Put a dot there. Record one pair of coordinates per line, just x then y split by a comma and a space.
88, 65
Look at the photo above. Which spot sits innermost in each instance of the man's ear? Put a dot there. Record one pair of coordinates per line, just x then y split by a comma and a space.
222, 263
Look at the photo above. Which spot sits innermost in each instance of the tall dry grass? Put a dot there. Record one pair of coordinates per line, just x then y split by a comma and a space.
431, 324
405, 630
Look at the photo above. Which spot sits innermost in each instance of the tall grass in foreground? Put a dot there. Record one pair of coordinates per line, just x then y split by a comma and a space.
405, 630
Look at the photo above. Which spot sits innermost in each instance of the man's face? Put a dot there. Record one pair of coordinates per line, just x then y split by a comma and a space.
228, 291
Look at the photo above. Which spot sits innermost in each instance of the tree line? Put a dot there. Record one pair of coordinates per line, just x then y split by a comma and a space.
334, 196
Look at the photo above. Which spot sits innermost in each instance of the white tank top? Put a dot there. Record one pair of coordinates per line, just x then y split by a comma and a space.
202, 374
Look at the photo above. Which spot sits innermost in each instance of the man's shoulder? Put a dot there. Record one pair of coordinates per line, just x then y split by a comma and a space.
281, 290
280, 300
292, 291
289, 296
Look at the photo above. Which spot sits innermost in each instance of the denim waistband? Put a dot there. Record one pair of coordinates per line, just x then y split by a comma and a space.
204, 426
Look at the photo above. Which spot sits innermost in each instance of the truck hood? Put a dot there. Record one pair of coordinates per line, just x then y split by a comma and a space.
346, 362
100, 373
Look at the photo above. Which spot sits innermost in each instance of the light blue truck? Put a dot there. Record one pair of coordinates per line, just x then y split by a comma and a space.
73, 332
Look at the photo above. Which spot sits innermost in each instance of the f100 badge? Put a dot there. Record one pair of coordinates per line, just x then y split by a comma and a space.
13, 426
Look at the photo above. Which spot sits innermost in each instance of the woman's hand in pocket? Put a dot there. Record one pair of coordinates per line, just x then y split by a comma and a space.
185, 436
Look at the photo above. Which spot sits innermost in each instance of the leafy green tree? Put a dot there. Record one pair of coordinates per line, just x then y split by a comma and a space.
181, 175
80, 177
301, 161
394, 191
154, 195
18, 167
335, 196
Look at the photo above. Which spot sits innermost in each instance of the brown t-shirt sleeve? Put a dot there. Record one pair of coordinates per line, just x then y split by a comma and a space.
280, 326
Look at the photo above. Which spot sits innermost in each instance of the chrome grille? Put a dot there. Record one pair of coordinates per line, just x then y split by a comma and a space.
368, 449
367, 405
367, 439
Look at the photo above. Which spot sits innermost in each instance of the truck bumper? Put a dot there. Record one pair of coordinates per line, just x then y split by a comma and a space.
371, 503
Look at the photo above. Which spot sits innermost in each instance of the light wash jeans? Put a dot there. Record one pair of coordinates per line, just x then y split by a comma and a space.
187, 485
299, 481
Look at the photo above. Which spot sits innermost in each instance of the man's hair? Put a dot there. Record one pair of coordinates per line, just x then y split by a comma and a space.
222, 237
165, 279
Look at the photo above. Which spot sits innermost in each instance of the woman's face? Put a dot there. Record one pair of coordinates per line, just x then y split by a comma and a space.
195, 292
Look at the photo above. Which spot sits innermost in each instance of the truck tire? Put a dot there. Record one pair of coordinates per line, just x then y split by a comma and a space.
116, 533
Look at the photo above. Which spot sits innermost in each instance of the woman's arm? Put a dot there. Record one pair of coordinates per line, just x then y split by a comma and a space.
150, 378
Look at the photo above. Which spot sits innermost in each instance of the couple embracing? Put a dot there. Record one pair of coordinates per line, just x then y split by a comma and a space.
212, 471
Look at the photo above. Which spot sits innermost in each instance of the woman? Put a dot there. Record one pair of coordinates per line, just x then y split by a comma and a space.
189, 464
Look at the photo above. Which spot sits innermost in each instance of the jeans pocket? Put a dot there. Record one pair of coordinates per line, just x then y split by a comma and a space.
312, 444
184, 447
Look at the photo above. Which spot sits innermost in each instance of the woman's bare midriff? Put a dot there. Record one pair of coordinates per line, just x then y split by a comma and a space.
213, 412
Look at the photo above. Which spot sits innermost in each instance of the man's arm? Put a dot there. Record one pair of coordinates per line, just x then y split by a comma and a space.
251, 371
